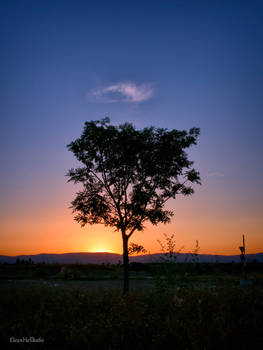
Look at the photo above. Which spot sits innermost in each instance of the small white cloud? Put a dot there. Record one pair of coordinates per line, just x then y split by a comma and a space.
216, 174
124, 92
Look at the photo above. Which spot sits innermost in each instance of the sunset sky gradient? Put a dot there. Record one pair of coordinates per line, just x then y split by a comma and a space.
191, 64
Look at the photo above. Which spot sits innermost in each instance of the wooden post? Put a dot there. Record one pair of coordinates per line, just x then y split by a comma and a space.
243, 258
244, 282
244, 262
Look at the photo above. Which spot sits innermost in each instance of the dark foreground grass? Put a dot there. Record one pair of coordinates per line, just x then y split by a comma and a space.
214, 318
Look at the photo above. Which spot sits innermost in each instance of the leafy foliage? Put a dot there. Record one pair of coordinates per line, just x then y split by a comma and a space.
128, 175
136, 249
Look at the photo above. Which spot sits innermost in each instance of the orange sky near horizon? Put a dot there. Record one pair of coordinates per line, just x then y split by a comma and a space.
43, 223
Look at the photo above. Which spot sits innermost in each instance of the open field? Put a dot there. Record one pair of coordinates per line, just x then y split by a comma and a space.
191, 307
110, 275
30, 270
189, 318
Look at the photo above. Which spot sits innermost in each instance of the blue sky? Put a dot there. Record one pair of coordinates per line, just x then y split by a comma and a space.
193, 63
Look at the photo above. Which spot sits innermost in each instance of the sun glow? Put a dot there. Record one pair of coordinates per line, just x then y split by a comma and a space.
99, 249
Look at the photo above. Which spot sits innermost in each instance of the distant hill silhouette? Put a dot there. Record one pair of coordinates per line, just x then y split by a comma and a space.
111, 258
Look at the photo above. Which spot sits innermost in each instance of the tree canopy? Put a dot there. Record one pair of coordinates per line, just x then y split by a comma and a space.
128, 174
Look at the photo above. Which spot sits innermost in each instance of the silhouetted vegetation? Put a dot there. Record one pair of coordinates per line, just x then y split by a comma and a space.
195, 318
128, 175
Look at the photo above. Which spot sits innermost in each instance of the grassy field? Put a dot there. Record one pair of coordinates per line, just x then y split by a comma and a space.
193, 309
91, 272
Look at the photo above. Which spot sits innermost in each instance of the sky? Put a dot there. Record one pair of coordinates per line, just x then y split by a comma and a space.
170, 64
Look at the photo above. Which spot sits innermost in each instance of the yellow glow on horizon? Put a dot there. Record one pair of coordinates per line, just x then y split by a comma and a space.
99, 250
98, 246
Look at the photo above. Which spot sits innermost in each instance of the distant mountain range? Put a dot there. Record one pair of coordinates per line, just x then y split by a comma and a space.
99, 258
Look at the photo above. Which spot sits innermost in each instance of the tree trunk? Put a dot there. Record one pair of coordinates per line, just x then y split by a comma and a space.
125, 264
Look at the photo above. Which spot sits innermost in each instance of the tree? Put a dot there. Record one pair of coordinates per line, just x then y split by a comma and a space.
136, 249
128, 175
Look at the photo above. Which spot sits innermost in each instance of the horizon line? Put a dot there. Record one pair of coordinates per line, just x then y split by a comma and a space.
161, 253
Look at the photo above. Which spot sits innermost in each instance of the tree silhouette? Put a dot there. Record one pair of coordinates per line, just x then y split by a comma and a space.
128, 175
